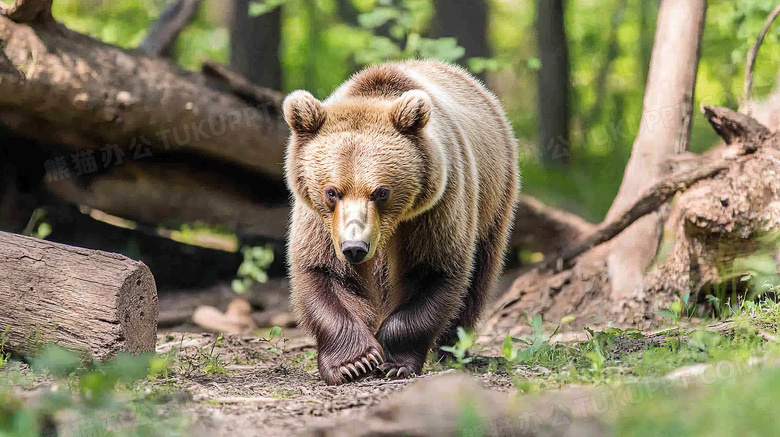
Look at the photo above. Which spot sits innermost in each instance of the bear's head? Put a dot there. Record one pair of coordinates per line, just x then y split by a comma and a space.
364, 165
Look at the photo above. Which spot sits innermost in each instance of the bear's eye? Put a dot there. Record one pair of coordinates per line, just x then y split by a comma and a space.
331, 196
381, 194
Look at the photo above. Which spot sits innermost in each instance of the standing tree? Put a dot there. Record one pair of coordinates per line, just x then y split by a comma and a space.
599, 278
467, 22
667, 115
553, 82
254, 44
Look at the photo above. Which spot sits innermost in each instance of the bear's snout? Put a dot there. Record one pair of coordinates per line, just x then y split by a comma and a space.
354, 251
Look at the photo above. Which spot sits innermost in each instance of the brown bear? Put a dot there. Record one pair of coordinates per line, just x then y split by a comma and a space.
404, 184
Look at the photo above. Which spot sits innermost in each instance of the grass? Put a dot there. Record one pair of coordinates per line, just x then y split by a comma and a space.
96, 398
132, 395
734, 392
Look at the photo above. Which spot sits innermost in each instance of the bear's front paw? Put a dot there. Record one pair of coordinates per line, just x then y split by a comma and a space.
343, 371
401, 367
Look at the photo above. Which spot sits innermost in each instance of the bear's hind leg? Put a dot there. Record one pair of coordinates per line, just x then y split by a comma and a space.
488, 261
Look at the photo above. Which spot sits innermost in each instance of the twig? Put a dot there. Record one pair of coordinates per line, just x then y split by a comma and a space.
652, 199
242, 87
28, 11
728, 124
173, 19
751, 59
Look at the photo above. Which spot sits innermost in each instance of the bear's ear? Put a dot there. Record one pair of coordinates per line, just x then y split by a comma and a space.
303, 112
411, 112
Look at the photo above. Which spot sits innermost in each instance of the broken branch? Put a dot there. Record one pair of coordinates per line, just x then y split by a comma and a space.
651, 200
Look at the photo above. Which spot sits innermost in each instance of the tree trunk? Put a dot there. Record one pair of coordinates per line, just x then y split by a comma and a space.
553, 81
99, 302
466, 21
254, 45
722, 225
667, 115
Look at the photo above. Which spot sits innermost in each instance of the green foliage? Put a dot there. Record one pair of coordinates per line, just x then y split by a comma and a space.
460, 350
276, 337
201, 360
4, 356
739, 406
253, 268
404, 24
683, 307
263, 7
92, 394
535, 349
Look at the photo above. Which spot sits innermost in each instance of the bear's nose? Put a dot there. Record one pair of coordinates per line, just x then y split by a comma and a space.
354, 251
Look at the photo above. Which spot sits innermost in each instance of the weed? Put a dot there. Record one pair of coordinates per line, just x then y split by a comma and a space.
683, 307
535, 349
253, 268
277, 339
91, 394
4, 356
460, 349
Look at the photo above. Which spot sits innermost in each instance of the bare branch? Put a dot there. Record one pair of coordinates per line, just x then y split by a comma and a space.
751, 59
650, 201
173, 19
242, 87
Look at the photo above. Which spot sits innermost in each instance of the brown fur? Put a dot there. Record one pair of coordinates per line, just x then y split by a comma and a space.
441, 144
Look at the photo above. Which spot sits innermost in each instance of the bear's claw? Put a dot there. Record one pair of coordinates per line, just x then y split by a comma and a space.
391, 370
361, 367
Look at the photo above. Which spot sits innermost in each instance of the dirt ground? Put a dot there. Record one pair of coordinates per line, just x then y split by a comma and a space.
270, 388
266, 392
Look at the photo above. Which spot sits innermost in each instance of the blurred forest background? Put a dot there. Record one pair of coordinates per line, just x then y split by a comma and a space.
598, 62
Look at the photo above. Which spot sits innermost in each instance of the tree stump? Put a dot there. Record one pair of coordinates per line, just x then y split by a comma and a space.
89, 300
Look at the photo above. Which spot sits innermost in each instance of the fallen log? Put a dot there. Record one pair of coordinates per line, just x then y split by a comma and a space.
133, 191
98, 302
71, 90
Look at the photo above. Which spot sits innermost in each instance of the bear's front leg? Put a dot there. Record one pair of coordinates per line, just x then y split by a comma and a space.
430, 300
334, 312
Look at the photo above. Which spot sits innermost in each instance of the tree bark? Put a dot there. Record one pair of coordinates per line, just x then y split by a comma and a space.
664, 131
727, 217
99, 302
84, 94
553, 79
133, 191
466, 21
254, 45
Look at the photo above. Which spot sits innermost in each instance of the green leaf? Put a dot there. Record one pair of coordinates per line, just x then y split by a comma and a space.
276, 332
57, 360
258, 8
377, 17
536, 324
510, 353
